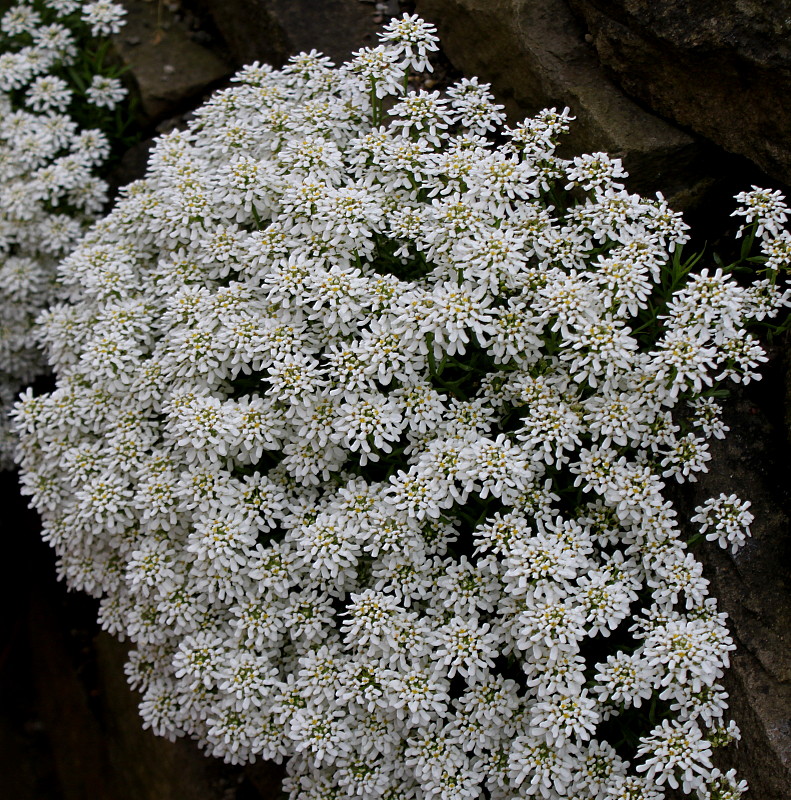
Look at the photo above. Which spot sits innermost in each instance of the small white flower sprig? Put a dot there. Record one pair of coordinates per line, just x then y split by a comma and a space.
361, 430
57, 126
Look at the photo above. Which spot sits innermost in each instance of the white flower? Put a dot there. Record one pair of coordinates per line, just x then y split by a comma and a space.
160, 708
564, 717
631, 787
763, 206
54, 42
422, 115
495, 467
685, 457
741, 355
419, 495
48, 93
618, 418
626, 679
722, 786
541, 769
378, 67
20, 19
594, 170
413, 39
103, 16
548, 625
688, 652
465, 646
105, 501
684, 359
777, 250
321, 736
725, 520
678, 755
625, 276
49, 189
367, 422
599, 351
328, 551
475, 106
538, 558
105, 92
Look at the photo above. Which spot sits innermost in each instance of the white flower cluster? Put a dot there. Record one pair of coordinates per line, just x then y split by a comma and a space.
49, 184
728, 517
361, 437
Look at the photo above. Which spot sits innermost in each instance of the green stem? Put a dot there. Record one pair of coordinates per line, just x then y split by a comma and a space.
376, 106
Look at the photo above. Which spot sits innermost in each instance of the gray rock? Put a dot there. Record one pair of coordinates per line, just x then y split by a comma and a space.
75, 737
171, 70
273, 30
535, 55
145, 766
721, 68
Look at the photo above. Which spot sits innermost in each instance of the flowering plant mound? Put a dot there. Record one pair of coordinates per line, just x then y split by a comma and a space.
56, 109
361, 431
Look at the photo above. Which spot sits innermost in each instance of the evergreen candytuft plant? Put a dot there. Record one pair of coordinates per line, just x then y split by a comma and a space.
361, 431
59, 118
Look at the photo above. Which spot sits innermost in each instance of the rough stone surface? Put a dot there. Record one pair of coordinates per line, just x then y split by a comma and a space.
146, 766
754, 586
26, 764
534, 54
170, 68
273, 30
721, 68
74, 733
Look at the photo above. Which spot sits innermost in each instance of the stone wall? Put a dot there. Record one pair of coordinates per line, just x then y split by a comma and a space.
716, 67
535, 56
